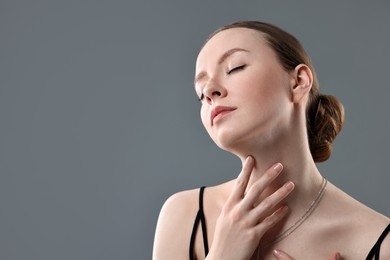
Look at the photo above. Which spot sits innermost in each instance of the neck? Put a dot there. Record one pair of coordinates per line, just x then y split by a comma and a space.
292, 150
298, 167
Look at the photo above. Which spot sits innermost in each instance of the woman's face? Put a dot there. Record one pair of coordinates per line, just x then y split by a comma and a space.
245, 92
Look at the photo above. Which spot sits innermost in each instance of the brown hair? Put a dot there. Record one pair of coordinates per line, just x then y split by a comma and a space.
325, 114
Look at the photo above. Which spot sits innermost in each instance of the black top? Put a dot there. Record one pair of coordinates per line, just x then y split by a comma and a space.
374, 252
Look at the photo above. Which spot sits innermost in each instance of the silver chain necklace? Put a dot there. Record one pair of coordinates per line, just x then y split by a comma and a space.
292, 228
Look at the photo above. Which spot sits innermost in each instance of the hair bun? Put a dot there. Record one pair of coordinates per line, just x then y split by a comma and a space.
325, 121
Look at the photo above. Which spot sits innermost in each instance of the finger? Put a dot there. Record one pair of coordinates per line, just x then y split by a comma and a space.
242, 180
335, 256
280, 255
258, 187
271, 220
268, 204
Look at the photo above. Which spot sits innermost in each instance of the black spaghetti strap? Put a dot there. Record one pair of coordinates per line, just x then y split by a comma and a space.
203, 222
199, 217
192, 241
375, 251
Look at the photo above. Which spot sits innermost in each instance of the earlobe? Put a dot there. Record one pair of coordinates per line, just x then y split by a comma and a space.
303, 80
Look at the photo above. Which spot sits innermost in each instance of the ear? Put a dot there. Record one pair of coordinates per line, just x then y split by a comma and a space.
302, 82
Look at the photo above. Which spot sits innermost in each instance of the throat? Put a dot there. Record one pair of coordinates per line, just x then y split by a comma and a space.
286, 227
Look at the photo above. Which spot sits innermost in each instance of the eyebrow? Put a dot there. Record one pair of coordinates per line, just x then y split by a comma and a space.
221, 59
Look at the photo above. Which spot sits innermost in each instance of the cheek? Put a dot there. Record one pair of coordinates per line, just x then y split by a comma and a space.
272, 90
204, 117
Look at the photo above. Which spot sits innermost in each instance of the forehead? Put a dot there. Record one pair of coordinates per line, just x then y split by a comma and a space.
244, 38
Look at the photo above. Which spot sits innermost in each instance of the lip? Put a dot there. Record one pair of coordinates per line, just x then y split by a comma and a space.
220, 111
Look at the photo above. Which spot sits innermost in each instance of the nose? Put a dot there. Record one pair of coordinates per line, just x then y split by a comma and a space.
213, 91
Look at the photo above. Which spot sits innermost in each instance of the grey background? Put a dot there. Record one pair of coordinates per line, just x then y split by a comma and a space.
100, 122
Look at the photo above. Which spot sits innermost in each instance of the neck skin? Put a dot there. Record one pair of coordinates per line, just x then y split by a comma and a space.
291, 148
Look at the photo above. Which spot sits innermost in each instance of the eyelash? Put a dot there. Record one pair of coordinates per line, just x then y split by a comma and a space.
235, 69
238, 68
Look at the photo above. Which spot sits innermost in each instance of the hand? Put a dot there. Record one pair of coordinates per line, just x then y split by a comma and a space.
244, 219
280, 255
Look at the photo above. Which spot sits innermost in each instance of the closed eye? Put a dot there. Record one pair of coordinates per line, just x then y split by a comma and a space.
238, 68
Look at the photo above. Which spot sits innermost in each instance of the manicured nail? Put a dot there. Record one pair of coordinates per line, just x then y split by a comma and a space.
249, 160
277, 253
278, 167
289, 185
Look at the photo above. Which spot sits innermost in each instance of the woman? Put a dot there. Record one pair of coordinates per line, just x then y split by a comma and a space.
260, 101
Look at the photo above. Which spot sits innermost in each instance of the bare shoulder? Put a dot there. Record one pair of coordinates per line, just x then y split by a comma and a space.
176, 221
174, 225
355, 210
372, 228
361, 225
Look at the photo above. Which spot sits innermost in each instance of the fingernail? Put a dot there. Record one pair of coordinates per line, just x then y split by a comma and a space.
289, 185
278, 167
337, 256
276, 253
